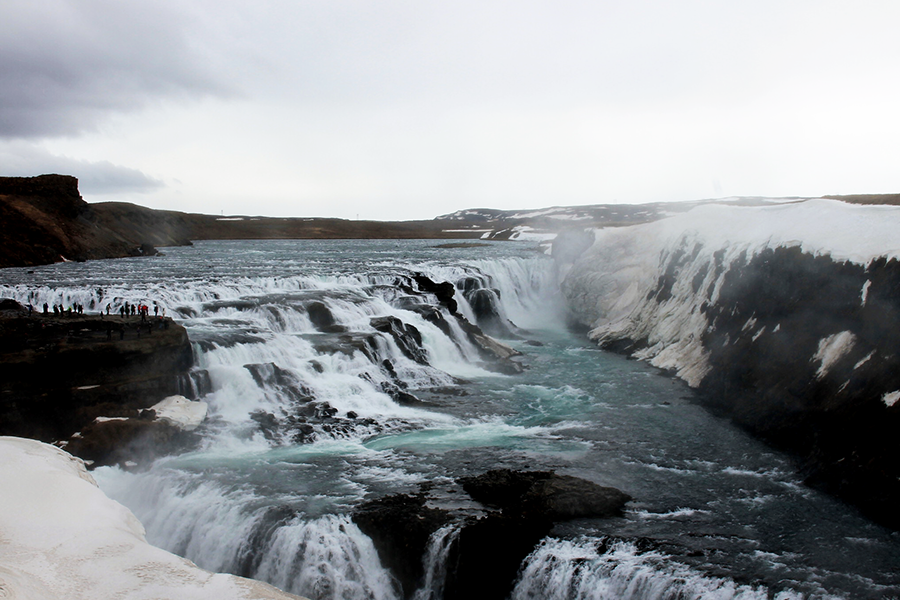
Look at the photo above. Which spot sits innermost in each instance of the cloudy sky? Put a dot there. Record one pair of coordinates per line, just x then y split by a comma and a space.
401, 109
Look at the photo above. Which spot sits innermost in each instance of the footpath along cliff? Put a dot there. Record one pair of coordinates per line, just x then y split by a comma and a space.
785, 318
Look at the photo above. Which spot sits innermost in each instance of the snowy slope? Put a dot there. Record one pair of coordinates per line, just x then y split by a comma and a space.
61, 537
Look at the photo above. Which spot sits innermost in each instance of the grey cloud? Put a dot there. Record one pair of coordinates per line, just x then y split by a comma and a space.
66, 65
22, 159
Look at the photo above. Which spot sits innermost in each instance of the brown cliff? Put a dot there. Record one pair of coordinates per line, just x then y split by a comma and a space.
45, 220
58, 373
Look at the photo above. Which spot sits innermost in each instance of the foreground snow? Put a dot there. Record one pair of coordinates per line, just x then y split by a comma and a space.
62, 538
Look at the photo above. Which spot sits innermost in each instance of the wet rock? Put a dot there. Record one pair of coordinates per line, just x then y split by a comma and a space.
487, 555
484, 560
400, 396
253, 548
433, 315
267, 422
444, 291
400, 527
127, 441
346, 343
286, 382
485, 304
545, 493
406, 336
195, 384
322, 318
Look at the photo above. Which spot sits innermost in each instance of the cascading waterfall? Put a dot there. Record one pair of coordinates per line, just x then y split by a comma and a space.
598, 569
322, 396
250, 335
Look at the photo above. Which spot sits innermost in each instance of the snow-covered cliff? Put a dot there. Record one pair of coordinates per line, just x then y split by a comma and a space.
785, 317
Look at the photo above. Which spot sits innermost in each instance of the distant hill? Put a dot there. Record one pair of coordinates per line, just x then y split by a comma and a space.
45, 220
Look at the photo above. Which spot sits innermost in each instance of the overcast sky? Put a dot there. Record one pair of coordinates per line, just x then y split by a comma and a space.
396, 109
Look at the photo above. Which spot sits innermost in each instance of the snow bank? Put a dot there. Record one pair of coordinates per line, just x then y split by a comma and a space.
181, 412
62, 538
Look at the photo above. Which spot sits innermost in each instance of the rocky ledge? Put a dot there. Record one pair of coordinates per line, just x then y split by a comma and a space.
486, 541
59, 374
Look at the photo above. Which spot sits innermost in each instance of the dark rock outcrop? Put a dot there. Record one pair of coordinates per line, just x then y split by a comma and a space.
58, 373
406, 336
444, 291
400, 527
544, 493
484, 559
485, 304
128, 441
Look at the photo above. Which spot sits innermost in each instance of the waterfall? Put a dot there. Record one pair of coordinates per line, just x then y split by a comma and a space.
435, 563
602, 569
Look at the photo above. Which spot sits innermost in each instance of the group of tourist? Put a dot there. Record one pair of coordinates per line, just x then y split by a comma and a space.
124, 311
139, 309
74, 309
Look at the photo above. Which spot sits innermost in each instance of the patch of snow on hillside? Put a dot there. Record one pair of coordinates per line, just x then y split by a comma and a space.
63, 538
561, 213
891, 398
865, 291
831, 349
864, 360
523, 233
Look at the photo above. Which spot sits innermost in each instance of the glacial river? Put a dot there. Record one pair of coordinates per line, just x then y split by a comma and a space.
716, 514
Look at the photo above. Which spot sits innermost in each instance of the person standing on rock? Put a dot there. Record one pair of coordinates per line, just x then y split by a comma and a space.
45, 309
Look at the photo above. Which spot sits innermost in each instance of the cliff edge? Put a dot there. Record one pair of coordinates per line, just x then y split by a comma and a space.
45, 220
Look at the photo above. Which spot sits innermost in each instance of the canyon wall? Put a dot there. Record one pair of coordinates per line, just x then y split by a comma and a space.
785, 318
